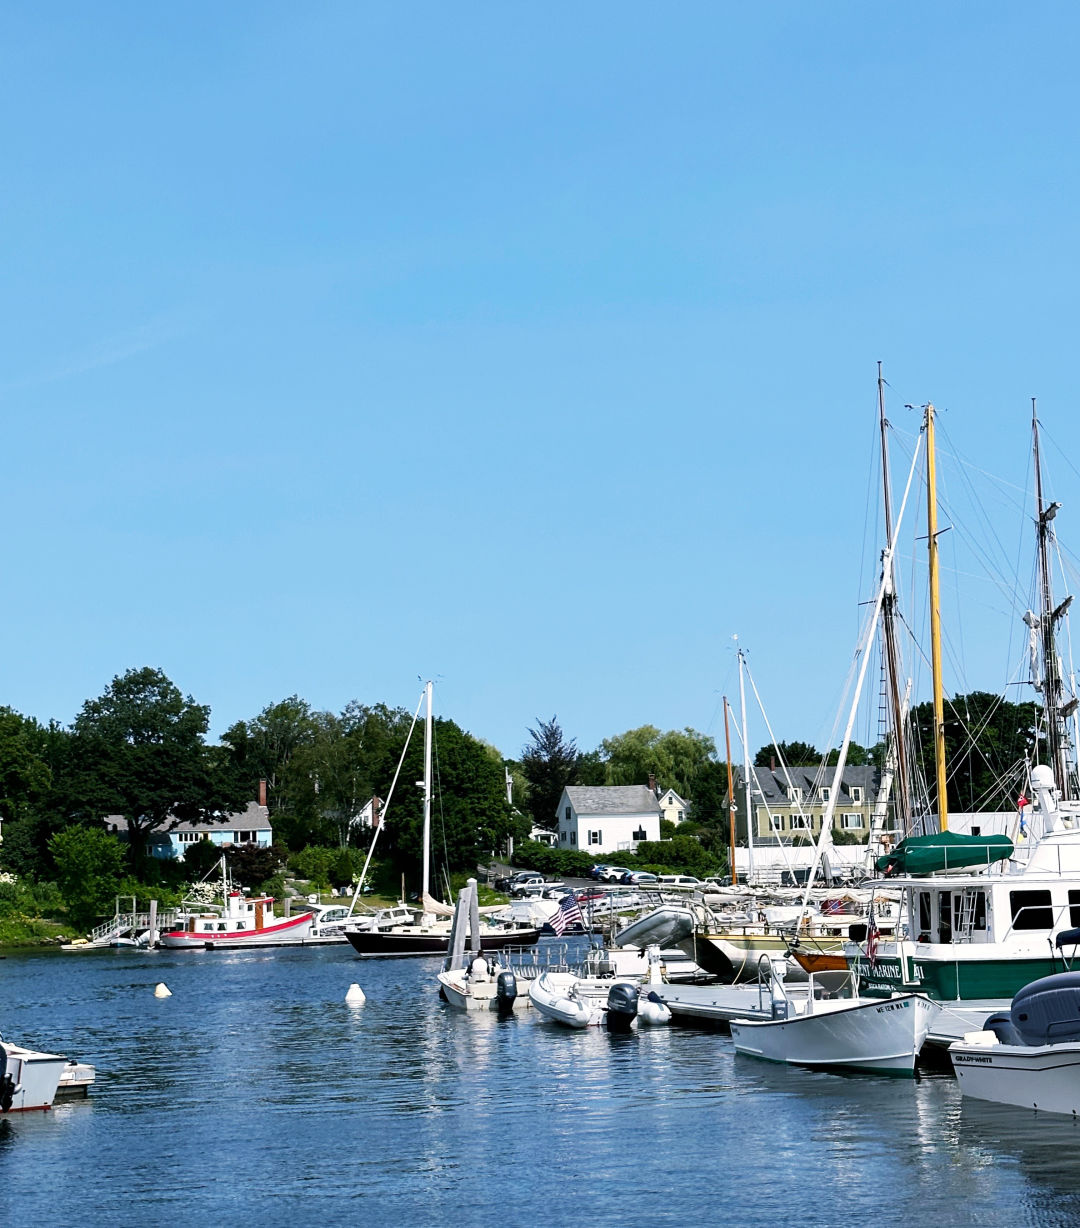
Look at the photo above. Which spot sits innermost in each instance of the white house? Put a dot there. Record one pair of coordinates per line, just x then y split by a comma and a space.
673, 807
608, 819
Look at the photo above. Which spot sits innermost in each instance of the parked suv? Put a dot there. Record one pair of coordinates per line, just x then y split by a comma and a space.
613, 874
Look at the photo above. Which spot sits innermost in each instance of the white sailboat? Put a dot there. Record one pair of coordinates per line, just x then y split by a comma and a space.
428, 931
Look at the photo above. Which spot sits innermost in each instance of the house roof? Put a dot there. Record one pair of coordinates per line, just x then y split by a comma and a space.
613, 799
772, 788
674, 797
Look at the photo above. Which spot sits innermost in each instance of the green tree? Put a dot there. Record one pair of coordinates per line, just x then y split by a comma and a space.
794, 754
267, 748
987, 739
138, 751
470, 814
89, 869
675, 758
549, 763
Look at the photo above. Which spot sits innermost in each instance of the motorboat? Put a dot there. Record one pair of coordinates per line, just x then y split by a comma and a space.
561, 997
29, 1079
1030, 1055
233, 920
834, 1033
471, 981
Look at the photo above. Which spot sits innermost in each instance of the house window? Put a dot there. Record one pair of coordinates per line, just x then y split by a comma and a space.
639, 834
796, 794
573, 837
562, 837
856, 795
596, 837
566, 814
1031, 910
825, 794
799, 822
682, 815
776, 822
849, 821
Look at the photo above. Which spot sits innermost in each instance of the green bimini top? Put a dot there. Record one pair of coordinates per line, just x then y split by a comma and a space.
947, 850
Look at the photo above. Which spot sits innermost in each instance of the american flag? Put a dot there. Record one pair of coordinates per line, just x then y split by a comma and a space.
568, 913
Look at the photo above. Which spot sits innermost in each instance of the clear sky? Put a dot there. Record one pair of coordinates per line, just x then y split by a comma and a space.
531, 348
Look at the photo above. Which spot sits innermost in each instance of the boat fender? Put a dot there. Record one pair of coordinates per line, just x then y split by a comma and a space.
622, 1006
506, 991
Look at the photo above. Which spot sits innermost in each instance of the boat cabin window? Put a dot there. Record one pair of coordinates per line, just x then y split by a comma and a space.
924, 916
944, 916
978, 919
1074, 908
1031, 910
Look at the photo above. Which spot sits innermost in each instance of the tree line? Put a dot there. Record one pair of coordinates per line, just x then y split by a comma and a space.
140, 751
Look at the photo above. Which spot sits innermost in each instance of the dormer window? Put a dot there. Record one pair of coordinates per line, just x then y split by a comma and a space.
856, 795
795, 795
826, 793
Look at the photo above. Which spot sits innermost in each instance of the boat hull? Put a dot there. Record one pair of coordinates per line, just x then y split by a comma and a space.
1042, 1077
419, 940
969, 972
862, 1034
289, 930
554, 998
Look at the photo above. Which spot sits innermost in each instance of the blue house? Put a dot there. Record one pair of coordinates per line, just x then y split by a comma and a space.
250, 826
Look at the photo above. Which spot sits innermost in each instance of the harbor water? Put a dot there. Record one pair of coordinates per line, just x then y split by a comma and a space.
255, 1091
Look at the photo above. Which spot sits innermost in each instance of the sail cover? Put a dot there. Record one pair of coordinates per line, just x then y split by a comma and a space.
946, 850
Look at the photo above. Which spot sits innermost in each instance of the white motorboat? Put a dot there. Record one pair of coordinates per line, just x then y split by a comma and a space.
1030, 1056
869, 1034
234, 920
28, 1079
471, 981
561, 997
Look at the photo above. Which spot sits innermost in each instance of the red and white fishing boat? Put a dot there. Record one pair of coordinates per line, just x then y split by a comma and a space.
238, 920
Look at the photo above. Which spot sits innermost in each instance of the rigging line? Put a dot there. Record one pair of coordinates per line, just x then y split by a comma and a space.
386, 807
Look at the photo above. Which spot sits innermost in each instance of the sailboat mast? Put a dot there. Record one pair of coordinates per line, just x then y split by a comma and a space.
1051, 682
730, 793
888, 627
746, 771
935, 621
426, 889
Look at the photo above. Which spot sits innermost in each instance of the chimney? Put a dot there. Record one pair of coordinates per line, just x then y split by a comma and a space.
262, 793
772, 763
652, 782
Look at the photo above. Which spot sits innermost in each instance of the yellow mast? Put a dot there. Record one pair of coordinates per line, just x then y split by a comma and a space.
935, 621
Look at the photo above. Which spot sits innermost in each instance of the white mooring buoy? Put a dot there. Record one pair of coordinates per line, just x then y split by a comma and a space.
161, 990
356, 995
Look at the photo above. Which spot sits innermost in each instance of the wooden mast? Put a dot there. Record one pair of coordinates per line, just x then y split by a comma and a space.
935, 622
888, 627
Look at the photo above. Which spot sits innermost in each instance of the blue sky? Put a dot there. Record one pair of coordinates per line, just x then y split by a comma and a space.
533, 350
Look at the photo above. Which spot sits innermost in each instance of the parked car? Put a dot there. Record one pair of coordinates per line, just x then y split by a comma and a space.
613, 874
639, 878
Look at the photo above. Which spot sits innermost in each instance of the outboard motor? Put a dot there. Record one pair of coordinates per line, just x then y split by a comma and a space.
1002, 1026
622, 1003
506, 992
7, 1083
1048, 1010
